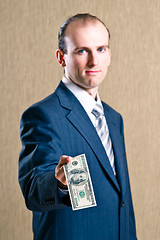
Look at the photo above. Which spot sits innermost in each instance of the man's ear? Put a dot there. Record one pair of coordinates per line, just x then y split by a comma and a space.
60, 57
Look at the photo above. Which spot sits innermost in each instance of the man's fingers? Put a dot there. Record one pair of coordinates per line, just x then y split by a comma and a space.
59, 171
63, 160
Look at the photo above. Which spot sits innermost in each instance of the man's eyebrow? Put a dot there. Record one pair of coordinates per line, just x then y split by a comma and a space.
87, 48
103, 46
77, 48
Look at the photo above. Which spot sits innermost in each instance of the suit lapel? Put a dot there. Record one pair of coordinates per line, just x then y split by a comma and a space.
118, 148
80, 120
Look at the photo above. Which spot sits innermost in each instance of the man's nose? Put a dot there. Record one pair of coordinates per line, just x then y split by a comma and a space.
93, 59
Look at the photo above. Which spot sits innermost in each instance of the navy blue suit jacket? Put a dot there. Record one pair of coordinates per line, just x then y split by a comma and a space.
56, 126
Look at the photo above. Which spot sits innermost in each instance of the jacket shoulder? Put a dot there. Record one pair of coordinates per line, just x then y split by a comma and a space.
46, 105
110, 110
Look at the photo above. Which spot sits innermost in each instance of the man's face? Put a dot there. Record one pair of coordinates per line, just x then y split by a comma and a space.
88, 55
79, 177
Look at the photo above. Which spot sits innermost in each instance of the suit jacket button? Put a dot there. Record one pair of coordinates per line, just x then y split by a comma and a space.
50, 200
122, 204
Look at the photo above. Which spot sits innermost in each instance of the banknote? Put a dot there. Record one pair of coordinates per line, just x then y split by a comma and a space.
79, 183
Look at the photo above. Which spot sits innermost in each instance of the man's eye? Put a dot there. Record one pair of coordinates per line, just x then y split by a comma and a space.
82, 51
101, 49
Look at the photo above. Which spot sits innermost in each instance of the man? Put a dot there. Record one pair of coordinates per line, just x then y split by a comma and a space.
77, 177
70, 122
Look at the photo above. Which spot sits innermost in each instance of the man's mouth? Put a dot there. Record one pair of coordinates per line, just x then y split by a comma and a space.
92, 72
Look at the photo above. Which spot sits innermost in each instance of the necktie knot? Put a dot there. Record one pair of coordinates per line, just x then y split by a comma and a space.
97, 111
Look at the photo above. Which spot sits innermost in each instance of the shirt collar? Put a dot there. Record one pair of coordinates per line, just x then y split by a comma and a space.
83, 97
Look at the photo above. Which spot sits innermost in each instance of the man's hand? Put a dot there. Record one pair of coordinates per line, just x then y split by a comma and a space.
59, 171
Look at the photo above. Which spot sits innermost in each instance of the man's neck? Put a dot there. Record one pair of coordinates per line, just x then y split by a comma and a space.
92, 91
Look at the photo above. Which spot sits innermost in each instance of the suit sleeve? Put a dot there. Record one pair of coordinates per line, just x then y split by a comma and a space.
132, 227
40, 154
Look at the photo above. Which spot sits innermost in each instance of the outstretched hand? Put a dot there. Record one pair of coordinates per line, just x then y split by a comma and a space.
59, 171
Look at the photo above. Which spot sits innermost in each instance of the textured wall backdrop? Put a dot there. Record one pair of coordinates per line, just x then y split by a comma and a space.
29, 72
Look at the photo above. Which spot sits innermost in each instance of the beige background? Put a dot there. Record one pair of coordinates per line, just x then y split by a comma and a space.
29, 72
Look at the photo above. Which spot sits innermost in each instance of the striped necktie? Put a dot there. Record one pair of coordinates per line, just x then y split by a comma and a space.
103, 132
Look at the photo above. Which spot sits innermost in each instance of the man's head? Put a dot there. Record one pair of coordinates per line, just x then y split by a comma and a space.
82, 17
84, 51
77, 177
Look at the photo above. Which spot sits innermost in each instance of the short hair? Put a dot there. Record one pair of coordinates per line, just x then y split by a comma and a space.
83, 17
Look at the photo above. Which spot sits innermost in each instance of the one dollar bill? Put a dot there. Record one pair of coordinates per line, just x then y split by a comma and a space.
79, 183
